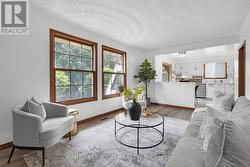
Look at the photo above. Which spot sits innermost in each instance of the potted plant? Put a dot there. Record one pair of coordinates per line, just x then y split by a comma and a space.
134, 107
145, 75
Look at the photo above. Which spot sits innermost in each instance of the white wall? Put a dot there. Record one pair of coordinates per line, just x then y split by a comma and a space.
24, 68
245, 35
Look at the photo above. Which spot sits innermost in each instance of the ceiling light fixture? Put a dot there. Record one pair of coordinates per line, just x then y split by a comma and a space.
182, 54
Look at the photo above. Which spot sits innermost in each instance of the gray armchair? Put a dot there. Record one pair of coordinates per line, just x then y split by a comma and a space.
31, 133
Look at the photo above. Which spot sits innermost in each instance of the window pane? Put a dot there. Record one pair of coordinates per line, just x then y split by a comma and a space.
76, 92
114, 88
61, 60
87, 52
87, 78
88, 91
107, 78
62, 93
107, 89
76, 78
75, 49
61, 45
86, 64
75, 62
62, 78
118, 79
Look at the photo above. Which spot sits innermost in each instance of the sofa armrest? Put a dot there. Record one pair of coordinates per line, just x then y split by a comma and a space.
55, 110
26, 128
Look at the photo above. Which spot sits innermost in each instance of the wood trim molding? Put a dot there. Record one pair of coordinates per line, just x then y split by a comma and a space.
174, 106
125, 70
5, 146
99, 116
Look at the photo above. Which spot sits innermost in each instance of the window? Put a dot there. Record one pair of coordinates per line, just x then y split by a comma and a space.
215, 71
113, 71
73, 69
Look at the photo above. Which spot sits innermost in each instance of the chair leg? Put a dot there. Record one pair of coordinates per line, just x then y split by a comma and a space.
43, 152
69, 135
12, 151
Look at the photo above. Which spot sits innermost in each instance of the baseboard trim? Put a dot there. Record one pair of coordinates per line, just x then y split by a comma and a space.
9, 144
5, 146
99, 116
174, 106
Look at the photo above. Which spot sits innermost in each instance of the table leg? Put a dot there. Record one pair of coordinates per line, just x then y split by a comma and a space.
138, 139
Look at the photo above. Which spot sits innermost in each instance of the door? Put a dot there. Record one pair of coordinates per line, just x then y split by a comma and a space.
242, 70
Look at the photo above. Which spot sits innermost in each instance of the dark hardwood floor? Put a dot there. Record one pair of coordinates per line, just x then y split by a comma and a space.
18, 161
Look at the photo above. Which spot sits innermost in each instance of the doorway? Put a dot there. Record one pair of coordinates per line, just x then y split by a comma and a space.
242, 70
166, 72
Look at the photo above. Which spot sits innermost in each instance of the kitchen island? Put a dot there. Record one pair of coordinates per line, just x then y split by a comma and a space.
180, 94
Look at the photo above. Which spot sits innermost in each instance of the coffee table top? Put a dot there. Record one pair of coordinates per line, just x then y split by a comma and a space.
144, 122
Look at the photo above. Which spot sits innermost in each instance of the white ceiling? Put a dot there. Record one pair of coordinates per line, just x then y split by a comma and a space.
217, 53
153, 24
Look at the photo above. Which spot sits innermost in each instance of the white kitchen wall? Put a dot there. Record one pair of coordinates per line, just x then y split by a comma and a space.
245, 35
24, 68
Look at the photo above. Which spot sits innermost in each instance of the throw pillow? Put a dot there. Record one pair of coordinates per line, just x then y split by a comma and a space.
37, 109
224, 103
26, 106
229, 146
210, 115
218, 93
35, 101
241, 104
217, 123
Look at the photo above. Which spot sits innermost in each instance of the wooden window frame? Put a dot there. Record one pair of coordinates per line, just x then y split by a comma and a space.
110, 49
62, 35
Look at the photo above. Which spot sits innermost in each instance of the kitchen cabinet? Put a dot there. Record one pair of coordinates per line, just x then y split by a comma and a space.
192, 69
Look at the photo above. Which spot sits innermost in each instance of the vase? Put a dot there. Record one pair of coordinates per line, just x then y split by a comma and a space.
134, 109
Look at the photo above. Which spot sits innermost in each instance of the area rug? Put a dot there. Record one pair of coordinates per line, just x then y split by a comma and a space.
96, 146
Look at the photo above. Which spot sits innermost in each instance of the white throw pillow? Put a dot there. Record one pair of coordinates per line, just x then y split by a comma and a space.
224, 103
210, 115
37, 109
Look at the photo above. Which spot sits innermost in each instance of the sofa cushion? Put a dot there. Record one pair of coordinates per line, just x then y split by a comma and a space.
224, 103
53, 127
229, 146
37, 109
187, 153
241, 104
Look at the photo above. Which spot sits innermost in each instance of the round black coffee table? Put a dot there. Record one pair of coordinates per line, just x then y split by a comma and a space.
154, 124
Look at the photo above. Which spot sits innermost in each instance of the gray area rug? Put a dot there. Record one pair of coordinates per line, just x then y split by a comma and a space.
99, 148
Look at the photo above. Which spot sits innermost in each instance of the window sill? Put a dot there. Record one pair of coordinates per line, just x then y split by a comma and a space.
78, 101
110, 96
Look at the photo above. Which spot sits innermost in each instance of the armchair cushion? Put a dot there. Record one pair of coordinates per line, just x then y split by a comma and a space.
53, 127
37, 109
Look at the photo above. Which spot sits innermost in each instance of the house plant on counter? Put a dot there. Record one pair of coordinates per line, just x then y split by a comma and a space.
132, 95
145, 75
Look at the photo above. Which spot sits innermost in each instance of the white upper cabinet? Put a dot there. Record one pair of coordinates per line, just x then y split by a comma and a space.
195, 69
182, 68
192, 69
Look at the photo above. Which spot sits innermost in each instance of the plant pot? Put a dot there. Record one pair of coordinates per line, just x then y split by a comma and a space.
148, 102
134, 111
